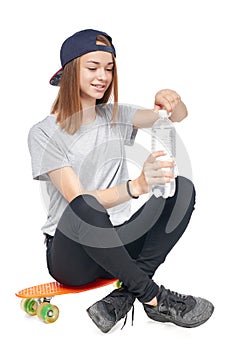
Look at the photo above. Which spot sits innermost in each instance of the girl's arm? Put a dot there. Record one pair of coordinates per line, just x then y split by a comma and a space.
68, 183
164, 99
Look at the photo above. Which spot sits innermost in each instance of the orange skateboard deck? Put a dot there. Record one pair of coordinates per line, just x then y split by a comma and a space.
36, 299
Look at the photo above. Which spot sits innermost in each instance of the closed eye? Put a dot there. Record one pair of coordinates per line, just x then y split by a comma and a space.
93, 69
109, 66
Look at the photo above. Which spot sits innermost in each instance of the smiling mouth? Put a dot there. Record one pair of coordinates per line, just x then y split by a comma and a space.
98, 87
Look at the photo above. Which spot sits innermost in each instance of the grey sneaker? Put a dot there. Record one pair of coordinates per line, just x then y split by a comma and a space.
182, 310
106, 312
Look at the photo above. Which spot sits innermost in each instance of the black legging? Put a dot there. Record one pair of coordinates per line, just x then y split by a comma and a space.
86, 245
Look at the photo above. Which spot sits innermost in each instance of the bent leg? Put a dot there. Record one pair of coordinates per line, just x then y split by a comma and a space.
69, 264
167, 221
96, 248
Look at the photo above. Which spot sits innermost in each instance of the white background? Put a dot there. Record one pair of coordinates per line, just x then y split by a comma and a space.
183, 45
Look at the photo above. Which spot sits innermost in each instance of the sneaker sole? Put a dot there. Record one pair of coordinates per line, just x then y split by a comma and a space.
167, 319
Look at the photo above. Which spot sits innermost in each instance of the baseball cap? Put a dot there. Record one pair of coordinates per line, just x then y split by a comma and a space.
77, 45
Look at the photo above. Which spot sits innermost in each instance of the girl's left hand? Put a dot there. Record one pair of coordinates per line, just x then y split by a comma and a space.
166, 99
171, 101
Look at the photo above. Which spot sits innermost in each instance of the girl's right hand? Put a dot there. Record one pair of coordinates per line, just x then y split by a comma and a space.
155, 171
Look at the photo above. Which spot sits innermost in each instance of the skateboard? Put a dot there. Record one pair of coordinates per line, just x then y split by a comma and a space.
36, 299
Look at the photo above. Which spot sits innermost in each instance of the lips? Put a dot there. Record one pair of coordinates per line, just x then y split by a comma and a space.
99, 87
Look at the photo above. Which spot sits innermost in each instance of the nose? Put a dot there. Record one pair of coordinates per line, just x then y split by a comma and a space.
101, 74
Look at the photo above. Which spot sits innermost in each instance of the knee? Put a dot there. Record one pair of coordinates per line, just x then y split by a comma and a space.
184, 181
186, 187
184, 202
89, 210
85, 203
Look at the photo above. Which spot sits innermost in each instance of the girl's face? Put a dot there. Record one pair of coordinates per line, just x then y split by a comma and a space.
96, 72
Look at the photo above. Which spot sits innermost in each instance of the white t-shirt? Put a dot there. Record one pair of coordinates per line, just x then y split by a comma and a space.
96, 153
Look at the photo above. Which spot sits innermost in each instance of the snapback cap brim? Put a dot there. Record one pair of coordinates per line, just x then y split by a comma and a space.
55, 80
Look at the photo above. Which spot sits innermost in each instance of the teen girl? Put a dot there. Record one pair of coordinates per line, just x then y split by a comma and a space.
79, 151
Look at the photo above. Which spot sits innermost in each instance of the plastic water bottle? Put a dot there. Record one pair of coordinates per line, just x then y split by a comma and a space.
164, 139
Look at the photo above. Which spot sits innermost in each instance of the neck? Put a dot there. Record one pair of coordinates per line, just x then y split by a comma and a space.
89, 113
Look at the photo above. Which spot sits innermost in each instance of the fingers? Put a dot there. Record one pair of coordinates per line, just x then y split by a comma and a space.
160, 164
166, 99
160, 174
158, 171
170, 102
152, 157
158, 177
156, 108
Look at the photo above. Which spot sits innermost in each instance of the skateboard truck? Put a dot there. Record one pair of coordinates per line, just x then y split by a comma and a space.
41, 307
36, 300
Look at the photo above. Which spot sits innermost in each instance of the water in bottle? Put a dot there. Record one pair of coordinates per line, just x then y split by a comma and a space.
164, 139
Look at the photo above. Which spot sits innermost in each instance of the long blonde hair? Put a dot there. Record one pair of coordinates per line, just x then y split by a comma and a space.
67, 105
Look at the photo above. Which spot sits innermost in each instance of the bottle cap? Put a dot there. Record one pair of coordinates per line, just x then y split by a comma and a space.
163, 114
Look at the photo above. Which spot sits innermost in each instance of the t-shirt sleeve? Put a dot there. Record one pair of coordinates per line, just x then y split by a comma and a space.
125, 118
46, 154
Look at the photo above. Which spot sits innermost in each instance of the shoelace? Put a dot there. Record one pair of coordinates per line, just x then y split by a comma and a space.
121, 303
175, 300
126, 316
178, 295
